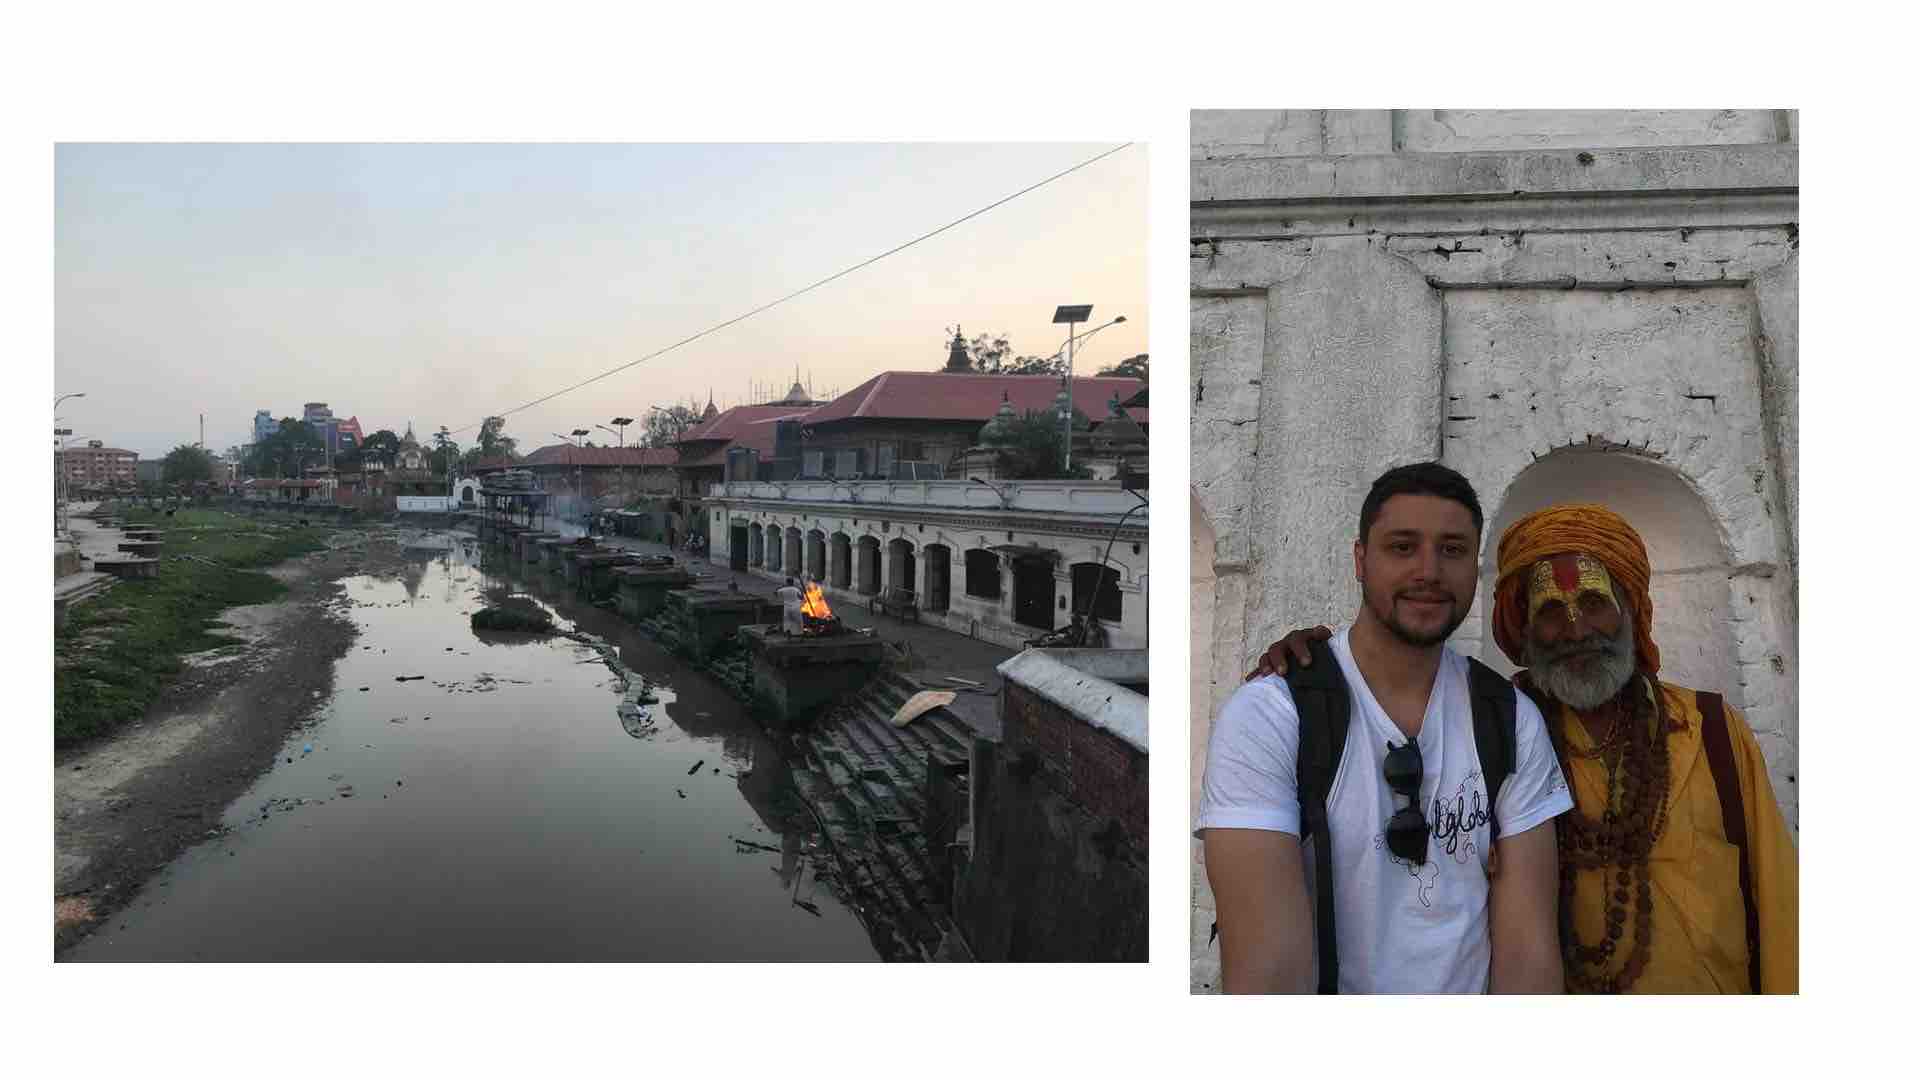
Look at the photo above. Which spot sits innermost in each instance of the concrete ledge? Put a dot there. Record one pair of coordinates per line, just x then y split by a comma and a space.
1083, 682
1541, 172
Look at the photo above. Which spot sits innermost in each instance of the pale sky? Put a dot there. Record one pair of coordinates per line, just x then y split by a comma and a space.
442, 283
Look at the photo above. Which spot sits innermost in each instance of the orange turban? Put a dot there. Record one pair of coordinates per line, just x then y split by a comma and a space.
1575, 528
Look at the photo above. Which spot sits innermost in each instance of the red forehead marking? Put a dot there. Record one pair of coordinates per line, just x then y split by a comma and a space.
1566, 572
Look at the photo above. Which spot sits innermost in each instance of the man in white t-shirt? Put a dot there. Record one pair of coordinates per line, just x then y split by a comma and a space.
790, 598
1427, 901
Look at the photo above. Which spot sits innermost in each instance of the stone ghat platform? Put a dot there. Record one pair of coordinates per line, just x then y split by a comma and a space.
702, 621
641, 591
795, 676
594, 572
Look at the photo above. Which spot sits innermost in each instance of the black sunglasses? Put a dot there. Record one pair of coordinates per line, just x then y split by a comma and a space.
1407, 831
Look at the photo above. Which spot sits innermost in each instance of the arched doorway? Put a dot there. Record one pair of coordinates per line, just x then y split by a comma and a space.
816, 555
773, 549
939, 571
756, 544
840, 564
869, 568
1096, 591
900, 564
791, 557
983, 574
1692, 600
737, 547
1033, 591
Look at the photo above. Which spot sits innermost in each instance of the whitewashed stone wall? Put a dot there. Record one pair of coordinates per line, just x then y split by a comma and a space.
1563, 306
1082, 522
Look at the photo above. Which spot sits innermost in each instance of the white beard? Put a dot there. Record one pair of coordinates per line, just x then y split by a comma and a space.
1598, 684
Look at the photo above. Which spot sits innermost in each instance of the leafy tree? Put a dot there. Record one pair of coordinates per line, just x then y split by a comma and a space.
282, 453
993, 354
445, 452
494, 442
380, 446
1034, 450
186, 464
1133, 367
665, 426
1035, 365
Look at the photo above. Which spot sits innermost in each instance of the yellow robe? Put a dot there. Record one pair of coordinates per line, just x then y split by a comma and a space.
1699, 918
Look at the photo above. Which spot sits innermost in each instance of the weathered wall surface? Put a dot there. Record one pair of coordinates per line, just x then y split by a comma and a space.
1596, 305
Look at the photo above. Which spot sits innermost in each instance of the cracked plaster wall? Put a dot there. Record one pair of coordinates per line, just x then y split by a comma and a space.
1633, 341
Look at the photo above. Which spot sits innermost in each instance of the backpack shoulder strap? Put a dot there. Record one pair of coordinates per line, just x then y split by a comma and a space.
1320, 697
1494, 720
1718, 745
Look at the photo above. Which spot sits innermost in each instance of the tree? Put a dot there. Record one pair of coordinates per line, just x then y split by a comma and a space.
445, 452
380, 446
186, 465
1133, 367
666, 426
1033, 448
1035, 365
993, 354
282, 453
493, 441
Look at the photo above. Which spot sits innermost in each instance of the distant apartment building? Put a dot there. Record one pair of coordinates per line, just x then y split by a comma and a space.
97, 465
264, 425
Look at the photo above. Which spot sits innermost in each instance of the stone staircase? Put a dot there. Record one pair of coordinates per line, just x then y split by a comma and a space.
865, 781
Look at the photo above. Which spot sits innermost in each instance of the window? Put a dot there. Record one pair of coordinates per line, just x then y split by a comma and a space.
1106, 602
983, 574
886, 460
913, 451
813, 463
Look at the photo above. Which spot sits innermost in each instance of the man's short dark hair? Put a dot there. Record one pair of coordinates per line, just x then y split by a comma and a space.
1424, 478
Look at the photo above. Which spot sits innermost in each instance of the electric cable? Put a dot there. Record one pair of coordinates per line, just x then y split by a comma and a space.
829, 279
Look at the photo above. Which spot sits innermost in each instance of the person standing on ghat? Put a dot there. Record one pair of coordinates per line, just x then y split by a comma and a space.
1389, 898
790, 600
1678, 873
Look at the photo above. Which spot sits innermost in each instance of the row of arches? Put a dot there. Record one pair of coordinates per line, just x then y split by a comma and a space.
865, 565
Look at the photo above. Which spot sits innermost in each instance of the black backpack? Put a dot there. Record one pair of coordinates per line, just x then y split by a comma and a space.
1321, 697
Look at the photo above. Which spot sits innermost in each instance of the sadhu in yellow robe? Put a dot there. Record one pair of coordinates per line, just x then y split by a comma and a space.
1699, 916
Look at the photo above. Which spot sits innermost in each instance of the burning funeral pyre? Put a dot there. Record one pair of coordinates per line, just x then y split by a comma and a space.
816, 618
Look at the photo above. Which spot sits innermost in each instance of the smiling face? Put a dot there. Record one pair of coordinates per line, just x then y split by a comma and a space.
1418, 566
1579, 633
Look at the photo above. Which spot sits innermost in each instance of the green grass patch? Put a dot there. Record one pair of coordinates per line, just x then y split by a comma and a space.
118, 651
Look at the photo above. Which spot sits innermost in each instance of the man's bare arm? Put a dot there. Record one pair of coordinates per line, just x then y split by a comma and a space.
1260, 897
1525, 914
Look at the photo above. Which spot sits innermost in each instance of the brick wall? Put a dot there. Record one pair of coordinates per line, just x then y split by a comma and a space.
1091, 768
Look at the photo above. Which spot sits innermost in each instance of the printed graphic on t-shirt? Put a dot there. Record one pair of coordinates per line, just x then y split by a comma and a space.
1455, 819
1451, 823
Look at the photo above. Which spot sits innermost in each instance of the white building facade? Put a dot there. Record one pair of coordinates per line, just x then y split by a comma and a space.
1003, 563
1563, 306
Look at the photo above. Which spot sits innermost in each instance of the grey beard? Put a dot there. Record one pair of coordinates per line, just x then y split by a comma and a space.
1549, 671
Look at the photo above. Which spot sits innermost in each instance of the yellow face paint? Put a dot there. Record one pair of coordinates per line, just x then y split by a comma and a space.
1567, 578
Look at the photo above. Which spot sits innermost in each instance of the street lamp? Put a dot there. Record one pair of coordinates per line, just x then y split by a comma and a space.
1073, 315
65, 435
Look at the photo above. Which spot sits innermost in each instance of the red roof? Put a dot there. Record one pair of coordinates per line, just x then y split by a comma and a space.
939, 395
749, 426
745, 422
595, 456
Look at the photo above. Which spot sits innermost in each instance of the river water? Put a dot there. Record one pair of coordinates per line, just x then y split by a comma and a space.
499, 809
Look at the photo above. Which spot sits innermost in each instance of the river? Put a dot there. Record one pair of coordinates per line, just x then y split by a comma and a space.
496, 807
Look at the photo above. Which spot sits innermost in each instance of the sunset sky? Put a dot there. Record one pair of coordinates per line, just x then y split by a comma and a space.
439, 283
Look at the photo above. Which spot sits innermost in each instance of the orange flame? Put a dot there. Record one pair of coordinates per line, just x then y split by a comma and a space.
814, 604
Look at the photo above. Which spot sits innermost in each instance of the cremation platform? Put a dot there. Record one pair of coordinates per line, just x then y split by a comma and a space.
795, 676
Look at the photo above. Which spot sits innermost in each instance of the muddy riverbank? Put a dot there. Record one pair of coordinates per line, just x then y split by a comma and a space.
129, 804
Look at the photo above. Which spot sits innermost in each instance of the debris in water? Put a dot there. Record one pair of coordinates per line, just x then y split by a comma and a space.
407, 678
680, 793
809, 907
696, 766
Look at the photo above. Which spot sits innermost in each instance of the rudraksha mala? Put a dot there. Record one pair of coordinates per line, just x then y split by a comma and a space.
1639, 776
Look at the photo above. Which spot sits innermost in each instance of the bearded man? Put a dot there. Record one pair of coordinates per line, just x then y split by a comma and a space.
1677, 870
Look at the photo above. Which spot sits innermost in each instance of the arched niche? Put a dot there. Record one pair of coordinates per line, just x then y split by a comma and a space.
1687, 548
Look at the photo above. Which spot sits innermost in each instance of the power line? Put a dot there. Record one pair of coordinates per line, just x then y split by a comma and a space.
803, 290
